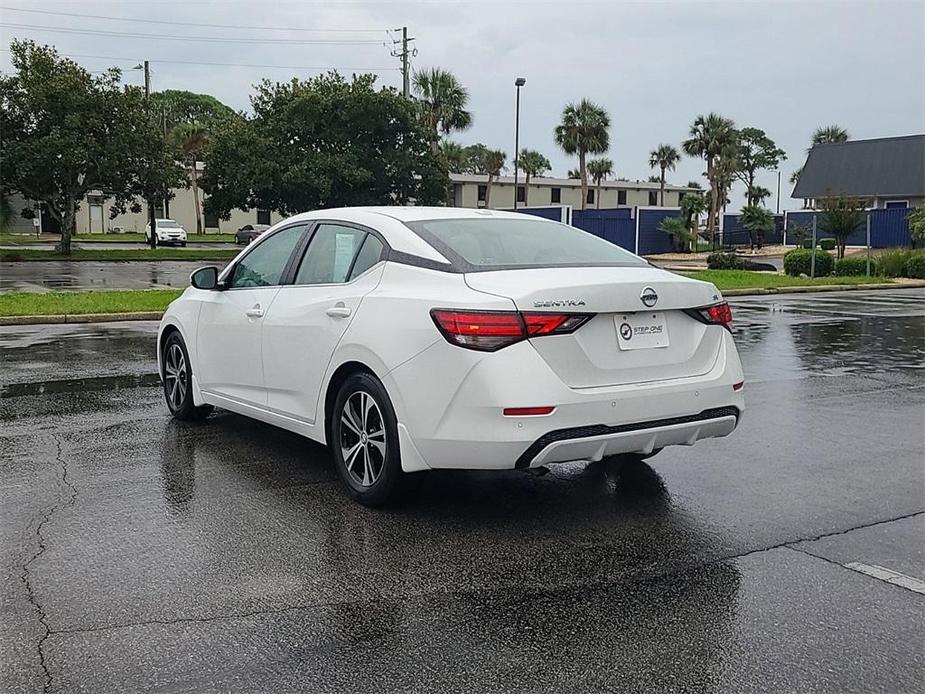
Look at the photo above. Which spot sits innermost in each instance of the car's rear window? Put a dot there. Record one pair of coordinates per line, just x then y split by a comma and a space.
501, 243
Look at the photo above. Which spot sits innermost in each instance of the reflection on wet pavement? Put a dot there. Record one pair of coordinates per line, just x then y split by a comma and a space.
40, 276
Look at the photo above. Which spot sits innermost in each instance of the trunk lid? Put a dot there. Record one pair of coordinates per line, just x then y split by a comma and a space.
594, 355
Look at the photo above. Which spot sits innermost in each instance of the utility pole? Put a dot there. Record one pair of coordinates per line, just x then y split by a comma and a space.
152, 226
405, 54
518, 83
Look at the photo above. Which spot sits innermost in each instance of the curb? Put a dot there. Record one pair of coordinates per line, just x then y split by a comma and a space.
156, 315
81, 318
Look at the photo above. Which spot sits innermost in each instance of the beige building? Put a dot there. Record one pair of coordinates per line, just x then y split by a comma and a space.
470, 190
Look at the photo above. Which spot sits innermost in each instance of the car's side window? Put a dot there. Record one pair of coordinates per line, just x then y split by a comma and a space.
264, 265
329, 255
369, 255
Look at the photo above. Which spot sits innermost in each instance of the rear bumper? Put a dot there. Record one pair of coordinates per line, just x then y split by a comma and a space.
450, 401
596, 442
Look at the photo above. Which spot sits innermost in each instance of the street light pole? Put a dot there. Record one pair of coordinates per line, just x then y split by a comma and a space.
152, 227
778, 191
518, 83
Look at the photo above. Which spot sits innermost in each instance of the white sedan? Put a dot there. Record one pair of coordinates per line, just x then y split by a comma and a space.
415, 338
167, 232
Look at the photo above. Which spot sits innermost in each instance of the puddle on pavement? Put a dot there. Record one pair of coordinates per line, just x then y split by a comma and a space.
18, 390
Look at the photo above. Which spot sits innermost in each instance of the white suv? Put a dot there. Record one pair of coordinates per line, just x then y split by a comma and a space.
168, 233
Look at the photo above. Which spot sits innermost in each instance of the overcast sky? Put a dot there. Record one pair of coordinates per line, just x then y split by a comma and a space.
786, 67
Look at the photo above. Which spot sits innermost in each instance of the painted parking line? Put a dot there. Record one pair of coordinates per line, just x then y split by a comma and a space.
897, 579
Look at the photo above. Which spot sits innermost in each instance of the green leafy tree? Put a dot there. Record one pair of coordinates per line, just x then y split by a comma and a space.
758, 221
599, 169
323, 142
532, 163
455, 157
757, 151
584, 130
757, 194
442, 102
664, 158
714, 139
66, 132
176, 107
6, 210
573, 174
694, 184
191, 139
841, 215
917, 225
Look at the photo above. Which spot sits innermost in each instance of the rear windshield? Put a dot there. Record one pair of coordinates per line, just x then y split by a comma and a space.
502, 243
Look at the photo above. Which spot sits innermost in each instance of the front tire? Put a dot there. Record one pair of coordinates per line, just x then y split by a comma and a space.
364, 441
178, 381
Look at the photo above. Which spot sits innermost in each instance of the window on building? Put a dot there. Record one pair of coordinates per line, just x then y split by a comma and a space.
896, 203
621, 197
555, 195
211, 219
263, 217
653, 198
483, 191
590, 196
521, 194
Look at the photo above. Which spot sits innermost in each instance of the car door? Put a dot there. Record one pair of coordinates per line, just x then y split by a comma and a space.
309, 317
231, 320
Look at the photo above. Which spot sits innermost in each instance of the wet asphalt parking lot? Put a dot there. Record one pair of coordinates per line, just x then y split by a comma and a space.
142, 554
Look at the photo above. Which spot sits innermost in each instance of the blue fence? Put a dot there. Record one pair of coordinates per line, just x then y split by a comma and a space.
734, 233
615, 225
889, 228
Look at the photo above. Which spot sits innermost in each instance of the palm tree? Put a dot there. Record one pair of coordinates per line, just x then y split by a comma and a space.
583, 131
664, 158
758, 221
692, 206
756, 195
599, 170
454, 156
192, 139
489, 162
713, 138
441, 102
533, 164
573, 174
828, 134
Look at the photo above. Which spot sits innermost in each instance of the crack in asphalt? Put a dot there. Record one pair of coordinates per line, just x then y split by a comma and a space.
635, 579
26, 574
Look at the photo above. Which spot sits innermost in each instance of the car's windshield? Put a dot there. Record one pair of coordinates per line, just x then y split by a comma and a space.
527, 242
168, 223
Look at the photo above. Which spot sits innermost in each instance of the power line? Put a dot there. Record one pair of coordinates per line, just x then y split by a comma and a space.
195, 39
188, 24
246, 65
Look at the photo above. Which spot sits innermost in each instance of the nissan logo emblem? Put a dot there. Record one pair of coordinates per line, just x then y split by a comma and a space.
648, 297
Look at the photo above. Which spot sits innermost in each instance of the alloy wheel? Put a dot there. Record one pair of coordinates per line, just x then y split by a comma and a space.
362, 438
175, 376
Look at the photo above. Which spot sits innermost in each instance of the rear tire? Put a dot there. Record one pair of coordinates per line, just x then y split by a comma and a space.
364, 441
178, 381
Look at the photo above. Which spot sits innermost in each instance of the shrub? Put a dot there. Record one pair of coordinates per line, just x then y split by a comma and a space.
892, 262
827, 244
855, 267
725, 261
915, 266
799, 262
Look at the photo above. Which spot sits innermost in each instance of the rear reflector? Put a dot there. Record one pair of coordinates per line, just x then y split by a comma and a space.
527, 411
489, 331
738, 386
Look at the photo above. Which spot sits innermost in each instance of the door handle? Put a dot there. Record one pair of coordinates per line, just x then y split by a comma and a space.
339, 310
255, 312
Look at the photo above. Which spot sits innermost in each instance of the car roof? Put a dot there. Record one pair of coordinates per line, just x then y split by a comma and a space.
390, 222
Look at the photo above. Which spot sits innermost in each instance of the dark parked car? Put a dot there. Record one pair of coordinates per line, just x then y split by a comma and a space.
249, 232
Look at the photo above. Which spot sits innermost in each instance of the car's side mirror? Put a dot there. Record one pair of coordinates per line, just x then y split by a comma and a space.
205, 278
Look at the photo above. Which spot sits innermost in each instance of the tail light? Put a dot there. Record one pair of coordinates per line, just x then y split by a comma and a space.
718, 314
489, 331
